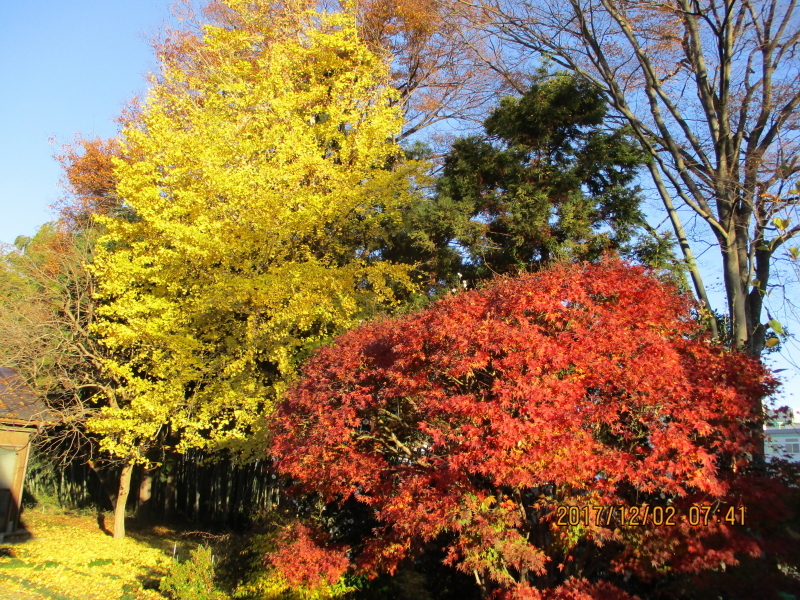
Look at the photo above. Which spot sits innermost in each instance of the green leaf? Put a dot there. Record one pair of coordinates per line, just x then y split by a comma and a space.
776, 326
794, 252
782, 224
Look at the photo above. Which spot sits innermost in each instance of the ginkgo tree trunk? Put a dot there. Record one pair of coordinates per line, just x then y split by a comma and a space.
256, 186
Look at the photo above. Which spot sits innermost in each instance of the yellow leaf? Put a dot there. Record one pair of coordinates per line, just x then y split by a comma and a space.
256, 174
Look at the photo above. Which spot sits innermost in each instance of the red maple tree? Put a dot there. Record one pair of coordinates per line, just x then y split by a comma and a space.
479, 422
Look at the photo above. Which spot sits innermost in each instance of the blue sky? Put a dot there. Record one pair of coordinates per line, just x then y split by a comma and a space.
68, 67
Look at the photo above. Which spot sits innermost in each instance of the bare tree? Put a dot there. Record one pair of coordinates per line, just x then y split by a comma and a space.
47, 308
711, 89
47, 312
436, 61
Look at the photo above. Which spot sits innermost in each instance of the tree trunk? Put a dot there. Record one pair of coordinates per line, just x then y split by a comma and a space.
736, 293
122, 499
170, 499
683, 243
105, 484
196, 513
145, 494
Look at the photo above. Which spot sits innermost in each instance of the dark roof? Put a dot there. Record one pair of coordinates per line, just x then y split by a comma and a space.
18, 402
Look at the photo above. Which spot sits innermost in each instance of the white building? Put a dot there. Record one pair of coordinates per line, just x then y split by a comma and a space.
782, 438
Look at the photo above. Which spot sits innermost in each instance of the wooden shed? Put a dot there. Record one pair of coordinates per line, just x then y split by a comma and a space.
22, 413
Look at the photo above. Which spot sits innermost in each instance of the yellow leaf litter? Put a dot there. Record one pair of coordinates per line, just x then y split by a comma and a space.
70, 557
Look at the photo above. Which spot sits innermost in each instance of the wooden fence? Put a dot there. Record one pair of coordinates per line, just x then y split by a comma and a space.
186, 486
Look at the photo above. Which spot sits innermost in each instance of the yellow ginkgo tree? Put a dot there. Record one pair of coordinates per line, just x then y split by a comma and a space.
260, 173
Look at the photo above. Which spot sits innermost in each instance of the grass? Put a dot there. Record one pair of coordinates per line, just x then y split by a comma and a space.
72, 556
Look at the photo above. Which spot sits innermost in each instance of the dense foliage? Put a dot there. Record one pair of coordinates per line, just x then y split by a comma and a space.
550, 178
192, 579
254, 181
547, 179
257, 204
470, 423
